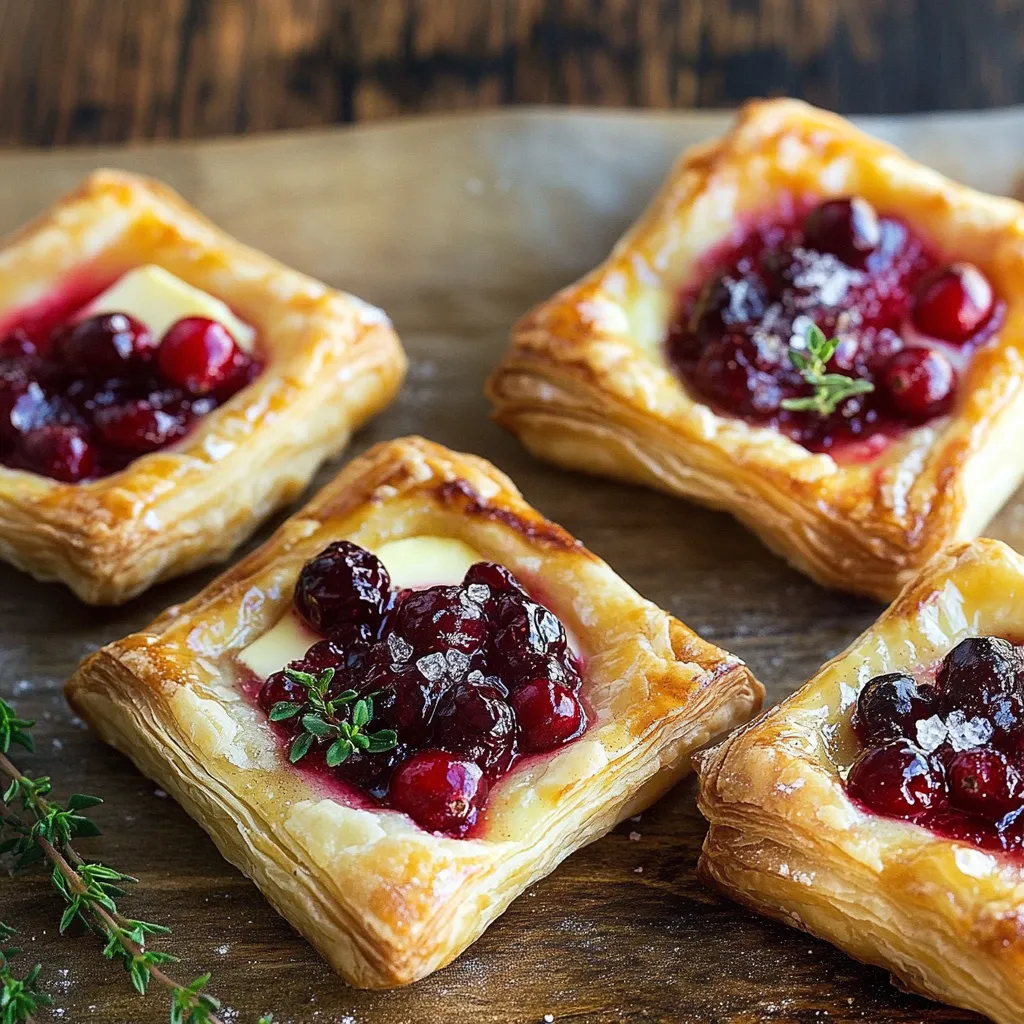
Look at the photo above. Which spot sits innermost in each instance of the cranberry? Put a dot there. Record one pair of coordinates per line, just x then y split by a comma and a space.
727, 374
59, 452
549, 715
344, 583
984, 782
479, 725
953, 302
496, 578
197, 354
405, 699
279, 689
354, 639
138, 427
439, 791
17, 344
726, 301
371, 772
920, 382
527, 667
890, 706
524, 628
847, 228
981, 678
441, 619
105, 345
897, 779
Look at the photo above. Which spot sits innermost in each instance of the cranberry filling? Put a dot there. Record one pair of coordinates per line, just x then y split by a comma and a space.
423, 699
80, 399
949, 755
904, 325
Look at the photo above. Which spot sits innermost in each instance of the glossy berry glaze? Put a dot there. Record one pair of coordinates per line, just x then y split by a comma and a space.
81, 398
948, 754
463, 682
906, 324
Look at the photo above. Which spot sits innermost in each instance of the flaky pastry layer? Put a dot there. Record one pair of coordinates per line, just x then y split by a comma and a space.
946, 918
331, 362
586, 384
383, 901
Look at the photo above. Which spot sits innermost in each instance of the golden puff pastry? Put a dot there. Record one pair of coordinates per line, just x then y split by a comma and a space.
586, 383
383, 901
787, 840
330, 362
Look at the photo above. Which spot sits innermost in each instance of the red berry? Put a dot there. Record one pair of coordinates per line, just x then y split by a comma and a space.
479, 725
439, 791
728, 374
105, 345
59, 452
952, 303
847, 228
920, 382
981, 677
279, 689
197, 354
549, 715
890, 706
441, 619
897, 779
138, 427
343, 584
496, 578
984, 782
726, 302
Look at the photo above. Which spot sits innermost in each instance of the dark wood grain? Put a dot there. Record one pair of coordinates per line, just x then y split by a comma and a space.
80, 71
455, 228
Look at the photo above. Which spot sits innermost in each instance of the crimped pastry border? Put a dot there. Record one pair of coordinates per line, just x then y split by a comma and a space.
332, 362
584, 385
383, 901
945, 918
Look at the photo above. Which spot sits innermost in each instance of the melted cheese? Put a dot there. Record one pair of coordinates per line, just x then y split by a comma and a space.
159, 299
287, 641
417, 562
413, 563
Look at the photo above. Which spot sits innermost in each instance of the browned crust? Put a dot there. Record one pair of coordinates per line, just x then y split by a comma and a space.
391, 914
177, 509
575, 389
785, 840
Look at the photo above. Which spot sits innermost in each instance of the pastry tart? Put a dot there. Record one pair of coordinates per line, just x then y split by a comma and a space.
163, 388
881, 807
807, 329
412, 702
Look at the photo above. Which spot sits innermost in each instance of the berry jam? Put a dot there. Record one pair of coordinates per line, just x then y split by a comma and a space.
422, 700
81, 397
948, 755
905, 325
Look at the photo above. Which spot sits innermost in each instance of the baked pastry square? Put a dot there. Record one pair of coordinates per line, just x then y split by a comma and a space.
123, 244
689, 359
878, 806
384, 900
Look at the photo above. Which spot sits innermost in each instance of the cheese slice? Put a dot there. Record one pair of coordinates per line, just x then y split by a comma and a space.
287, 641
159, 299
417, 562
413, 563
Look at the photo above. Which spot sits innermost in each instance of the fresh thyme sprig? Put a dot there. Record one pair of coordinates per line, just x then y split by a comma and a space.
342, 720
20, 998
44, 830
830, 389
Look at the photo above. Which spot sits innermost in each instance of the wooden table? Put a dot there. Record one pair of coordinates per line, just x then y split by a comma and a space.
456, 226
111, 70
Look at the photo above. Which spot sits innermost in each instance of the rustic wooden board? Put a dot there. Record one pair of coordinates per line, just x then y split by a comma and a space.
96, 71
456, 227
